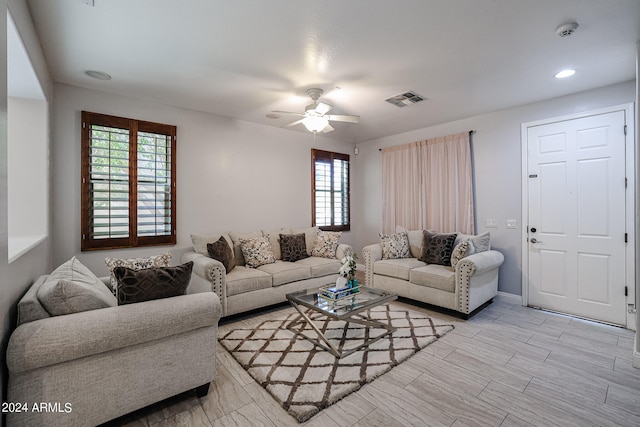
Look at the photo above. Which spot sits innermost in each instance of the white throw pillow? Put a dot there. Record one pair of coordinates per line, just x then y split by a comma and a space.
395, 246
73, 288
326, 244
257, 251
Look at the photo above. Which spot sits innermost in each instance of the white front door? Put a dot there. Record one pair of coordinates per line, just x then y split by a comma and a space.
576, 216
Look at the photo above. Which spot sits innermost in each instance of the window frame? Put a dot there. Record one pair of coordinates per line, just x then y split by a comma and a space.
331, 157
133, 126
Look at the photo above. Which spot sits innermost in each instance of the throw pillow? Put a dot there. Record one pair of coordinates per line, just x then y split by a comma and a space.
462, 250
257, 251
395, 246
135, 264
221, 251
200, 242
293, 247
72, 288
437, 248
152, 283
480, 242
326, 244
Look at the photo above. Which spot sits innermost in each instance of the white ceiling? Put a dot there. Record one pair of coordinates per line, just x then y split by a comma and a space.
244, 58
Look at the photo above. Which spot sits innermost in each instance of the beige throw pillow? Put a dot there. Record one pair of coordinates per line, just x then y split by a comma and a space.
73, 288
257, 251
326, 244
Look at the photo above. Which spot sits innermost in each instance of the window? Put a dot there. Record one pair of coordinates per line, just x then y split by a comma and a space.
128, 182
330, 190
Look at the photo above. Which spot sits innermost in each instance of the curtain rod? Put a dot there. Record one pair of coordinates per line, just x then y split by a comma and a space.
471, 132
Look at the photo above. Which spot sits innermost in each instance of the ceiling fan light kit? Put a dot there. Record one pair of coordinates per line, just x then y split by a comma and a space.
315, 117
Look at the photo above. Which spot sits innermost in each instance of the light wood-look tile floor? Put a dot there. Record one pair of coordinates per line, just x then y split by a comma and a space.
508, 366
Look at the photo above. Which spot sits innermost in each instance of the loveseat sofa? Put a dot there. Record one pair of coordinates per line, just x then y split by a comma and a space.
245, 288
93, 366
472, 282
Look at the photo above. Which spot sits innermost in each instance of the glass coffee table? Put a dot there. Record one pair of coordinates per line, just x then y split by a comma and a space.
314, 308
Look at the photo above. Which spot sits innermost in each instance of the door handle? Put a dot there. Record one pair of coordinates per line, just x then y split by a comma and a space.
534, 240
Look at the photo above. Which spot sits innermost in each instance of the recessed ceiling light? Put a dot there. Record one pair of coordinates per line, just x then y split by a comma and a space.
565, 73
100, 75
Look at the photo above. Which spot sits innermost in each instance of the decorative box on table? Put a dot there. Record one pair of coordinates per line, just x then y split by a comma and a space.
336, 294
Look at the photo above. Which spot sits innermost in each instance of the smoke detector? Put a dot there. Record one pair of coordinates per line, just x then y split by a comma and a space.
565, 30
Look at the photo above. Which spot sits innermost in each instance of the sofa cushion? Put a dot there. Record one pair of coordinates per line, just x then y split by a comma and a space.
398, 268
221, 251
274, 240
72, 288
461, 250
320, 267
395, 246
152, 283
415, 240
162, 260
235, 238
245, 279
293, 247
480, 242
257, 251
434, 276
437, 248
326, 244
283, 272
310, 234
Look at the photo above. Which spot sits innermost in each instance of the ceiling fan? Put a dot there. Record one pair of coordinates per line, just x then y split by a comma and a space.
315, 117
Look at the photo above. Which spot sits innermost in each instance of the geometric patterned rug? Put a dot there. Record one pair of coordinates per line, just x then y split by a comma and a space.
304, 378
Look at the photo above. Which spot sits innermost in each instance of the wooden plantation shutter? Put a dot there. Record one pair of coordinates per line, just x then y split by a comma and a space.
330, 190
128, 182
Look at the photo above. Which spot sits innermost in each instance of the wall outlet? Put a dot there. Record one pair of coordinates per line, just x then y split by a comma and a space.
491, 223
512, 223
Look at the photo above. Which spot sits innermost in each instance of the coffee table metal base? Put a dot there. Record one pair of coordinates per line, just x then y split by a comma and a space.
308, 316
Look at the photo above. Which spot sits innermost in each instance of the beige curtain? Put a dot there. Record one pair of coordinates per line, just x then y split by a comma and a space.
428, 185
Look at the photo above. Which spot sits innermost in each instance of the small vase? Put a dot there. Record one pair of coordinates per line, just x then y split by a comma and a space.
353, 285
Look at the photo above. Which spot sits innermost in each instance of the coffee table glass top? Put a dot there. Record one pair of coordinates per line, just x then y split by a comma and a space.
365, 299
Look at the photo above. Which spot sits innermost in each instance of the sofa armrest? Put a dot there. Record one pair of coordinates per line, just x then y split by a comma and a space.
477, 279
211, 270
59, 339
343, 250
481, 262
371, 254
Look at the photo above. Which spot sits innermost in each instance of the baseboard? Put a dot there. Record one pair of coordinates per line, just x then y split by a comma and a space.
509, 298
636, 355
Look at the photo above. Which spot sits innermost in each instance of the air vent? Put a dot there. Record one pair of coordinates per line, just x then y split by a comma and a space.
404, 99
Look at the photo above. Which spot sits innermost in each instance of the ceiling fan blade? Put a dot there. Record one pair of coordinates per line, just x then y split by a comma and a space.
327, 128
322, 108
344, 118
288, 112
294, 123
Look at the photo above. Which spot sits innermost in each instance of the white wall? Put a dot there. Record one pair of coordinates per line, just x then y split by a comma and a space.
497, 161
19, 275
28, 172
231, 175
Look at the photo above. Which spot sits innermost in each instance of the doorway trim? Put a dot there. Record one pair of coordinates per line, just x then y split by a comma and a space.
630, 165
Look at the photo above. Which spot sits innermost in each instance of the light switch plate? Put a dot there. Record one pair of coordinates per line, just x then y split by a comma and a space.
491, 223
512, 223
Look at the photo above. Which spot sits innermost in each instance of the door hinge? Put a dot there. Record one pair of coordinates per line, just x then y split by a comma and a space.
626, 291
626, 237
626, 182
625, 129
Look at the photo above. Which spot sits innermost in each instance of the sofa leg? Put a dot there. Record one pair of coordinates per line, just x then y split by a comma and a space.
201, 391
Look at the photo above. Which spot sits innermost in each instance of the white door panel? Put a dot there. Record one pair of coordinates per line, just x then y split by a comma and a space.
576, 188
